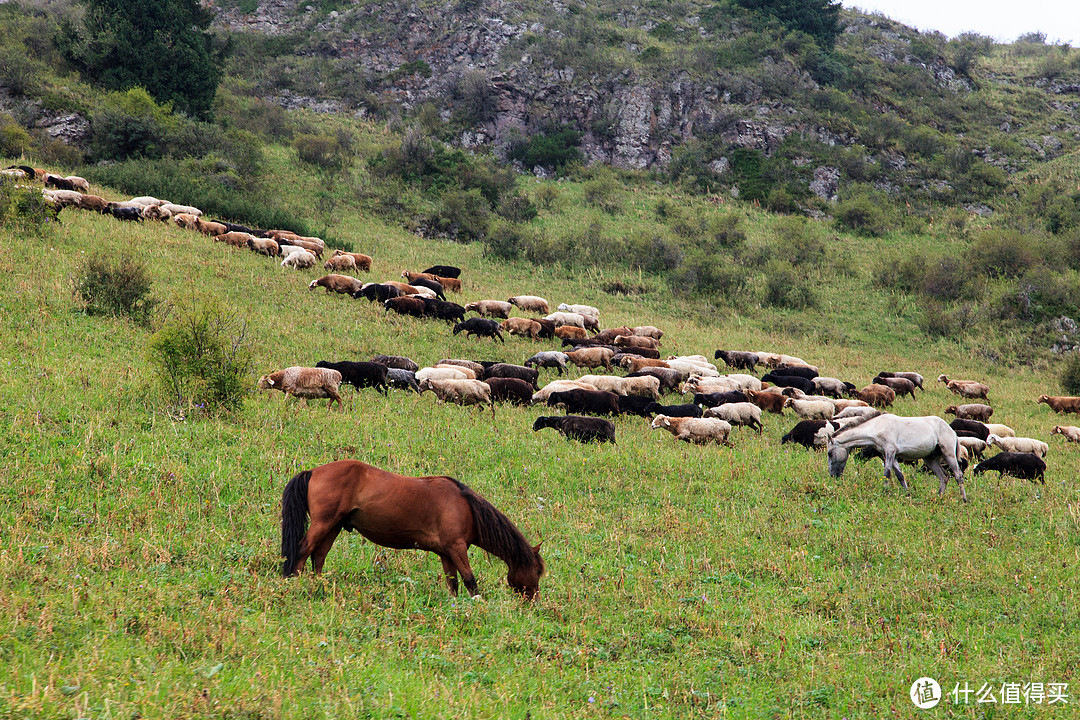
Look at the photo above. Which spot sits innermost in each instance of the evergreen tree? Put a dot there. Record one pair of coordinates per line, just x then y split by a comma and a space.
818, 18
160, 45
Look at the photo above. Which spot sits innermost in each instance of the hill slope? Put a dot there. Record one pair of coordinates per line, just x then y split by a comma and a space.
139, 555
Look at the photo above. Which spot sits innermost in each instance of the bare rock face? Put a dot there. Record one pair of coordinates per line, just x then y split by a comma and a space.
826, 183
632, 149
72, 129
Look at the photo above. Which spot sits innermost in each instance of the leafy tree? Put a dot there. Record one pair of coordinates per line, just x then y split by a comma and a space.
162, 46
819, 19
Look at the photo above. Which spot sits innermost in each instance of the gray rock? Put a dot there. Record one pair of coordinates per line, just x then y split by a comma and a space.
826, 183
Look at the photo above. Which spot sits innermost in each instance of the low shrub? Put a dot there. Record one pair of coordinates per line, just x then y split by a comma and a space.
202, 356
1070, 375
462, 215
553, 149
863, 214
118, 286
603, 192
786, 288
24, 210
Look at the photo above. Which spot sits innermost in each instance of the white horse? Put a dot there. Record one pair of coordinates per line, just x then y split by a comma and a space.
926, 438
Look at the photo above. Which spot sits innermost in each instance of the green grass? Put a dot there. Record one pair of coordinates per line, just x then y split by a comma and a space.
139, 554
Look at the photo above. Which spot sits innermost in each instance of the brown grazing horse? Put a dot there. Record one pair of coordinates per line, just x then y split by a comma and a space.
435, 513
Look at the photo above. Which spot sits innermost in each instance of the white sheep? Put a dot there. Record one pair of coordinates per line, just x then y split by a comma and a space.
974, 446
461, 392
298, 259
1000, 430
644, 386
1019, 444
565, 318
694, 430
1069, 432
829, 386
744, 381
580, 310
744, 413
812, 409
177, 209
540, 397
441, 373
530, 303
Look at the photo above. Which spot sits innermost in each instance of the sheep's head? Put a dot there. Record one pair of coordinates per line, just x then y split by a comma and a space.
951, 410
942, 378
266, 382
1046, 399
426, 384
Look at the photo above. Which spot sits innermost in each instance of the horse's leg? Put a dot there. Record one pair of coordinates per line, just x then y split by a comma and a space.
318, 557
449, 574
459, 555
934, 463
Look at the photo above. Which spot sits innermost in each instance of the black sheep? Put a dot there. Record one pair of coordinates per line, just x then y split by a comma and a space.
443, 310
586, 402
506, 370
233, 227
377, 291
575, 427
634, 405
737, 358
446, 271
435, 287
639, 352
479, 326
718, 399
547, 328
127, 213
1022, 465
688, 410
804, 432
396, 362
59, 183
795, 371
360, 374
976, 428
801, 383
405, 306
510, 389
402, 379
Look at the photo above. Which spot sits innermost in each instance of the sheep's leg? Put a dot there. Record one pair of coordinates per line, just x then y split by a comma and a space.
934, 463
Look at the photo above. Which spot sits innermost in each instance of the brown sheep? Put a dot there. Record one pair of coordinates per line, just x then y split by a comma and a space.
95, 203
608, 336
639, 362
648, 331
490, 308
522, 326
1069, 432
1061, 404
264, 246
305, 382
187, 221
637, 341
313, 248
771, 402
337, 283
966, 388
208, 227
156, 212
78, 183
877, 395
973, 411
451, 284
591, 357
569, 332
235, 239
363, 262
405, 288
339, 263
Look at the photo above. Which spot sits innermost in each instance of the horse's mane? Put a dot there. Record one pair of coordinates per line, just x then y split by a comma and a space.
857, 422
497, 534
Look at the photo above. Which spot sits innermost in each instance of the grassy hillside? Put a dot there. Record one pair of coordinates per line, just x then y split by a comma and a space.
138, 553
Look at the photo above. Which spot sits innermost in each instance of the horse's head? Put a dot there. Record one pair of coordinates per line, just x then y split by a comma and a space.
525, 579
838, 455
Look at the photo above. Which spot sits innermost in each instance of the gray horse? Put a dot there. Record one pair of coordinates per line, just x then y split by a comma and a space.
926, 438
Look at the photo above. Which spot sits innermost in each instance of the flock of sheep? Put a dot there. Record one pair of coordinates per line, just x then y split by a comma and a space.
719, 402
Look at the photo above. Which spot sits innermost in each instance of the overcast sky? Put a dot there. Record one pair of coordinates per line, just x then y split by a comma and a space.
1004, 21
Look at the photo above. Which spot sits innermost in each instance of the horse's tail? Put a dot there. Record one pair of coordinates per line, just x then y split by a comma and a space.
294, 512
496, 533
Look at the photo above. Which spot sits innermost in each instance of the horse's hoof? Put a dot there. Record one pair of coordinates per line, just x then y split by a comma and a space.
477, 597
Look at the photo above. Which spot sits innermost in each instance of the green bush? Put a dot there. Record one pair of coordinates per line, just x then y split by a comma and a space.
323, 151
553, 149
24, 210
516, 208
603, 192
119, 287
202, 356
505, 241
14, 140
130, 124
798, 242
1002, 253
864, 214
462, 215
1070, 375
786, 288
